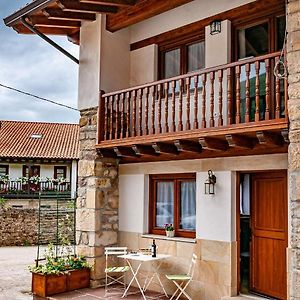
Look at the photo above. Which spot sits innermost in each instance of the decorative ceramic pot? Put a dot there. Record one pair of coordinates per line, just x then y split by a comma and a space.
170, 233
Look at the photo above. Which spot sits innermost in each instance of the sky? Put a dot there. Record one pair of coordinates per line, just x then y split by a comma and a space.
30, 64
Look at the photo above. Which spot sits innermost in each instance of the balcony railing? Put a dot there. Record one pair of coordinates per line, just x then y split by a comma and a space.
236, 93
13, 189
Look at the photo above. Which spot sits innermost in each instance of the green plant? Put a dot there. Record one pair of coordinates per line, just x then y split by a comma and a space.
4, 178
2, 202
169, 227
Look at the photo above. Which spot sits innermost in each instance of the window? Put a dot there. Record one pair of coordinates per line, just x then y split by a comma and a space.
60, 172
3, 170
32, 171
173, 200
181, 57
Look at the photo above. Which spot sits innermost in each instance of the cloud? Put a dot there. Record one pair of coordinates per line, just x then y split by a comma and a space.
28, 63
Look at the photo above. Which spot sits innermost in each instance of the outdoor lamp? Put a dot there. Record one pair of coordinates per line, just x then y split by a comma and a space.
210, 183
215, 27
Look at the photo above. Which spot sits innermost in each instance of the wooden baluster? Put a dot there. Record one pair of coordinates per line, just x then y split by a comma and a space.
134, 92
122, 112
140, 112
212, 99
111, 117
220, 119
180, 124
229, 96
153, 110
188, 103
117, 116
106, 118
238, 94
147, 111
173, 126
101, 118
159, 107
277, 94
257, 98
166, 107
128, 118
247, 110
203, 123
267, 111
196, 124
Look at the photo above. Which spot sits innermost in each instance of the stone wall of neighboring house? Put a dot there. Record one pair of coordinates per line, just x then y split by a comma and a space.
98, 199
19, 227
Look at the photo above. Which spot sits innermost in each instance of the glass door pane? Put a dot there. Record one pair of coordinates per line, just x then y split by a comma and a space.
164, 203
188, 205
172, 63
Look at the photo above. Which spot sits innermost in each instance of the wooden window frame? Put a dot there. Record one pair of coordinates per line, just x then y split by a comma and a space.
181, 44
6, 167
30, 175
176, 178
60, 167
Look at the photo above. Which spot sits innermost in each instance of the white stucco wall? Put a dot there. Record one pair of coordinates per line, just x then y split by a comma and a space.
180, 16
215, 214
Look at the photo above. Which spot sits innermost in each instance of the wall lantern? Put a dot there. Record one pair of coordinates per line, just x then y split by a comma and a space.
210, 183
215, 27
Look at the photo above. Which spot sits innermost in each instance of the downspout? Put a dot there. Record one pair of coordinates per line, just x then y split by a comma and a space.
45, 38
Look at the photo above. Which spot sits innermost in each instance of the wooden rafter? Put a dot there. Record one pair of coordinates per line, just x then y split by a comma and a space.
267, 138
124, 152
41, 21
144, 150
73, 6
56, 14
161, 148
239, 141
213, 144
107, 153
144, 9
188, 146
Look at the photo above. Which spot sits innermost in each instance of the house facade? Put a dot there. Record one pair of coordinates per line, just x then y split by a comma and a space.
37, 157
171, 92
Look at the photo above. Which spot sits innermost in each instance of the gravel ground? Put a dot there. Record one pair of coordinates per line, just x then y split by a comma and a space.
15, 279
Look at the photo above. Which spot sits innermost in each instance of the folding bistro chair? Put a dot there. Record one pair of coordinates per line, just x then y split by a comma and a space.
183, 280
114, 274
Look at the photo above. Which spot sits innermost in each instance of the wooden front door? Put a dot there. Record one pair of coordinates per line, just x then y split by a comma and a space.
268, 275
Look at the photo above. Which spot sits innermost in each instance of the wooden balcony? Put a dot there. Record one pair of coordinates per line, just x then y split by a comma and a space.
234, 109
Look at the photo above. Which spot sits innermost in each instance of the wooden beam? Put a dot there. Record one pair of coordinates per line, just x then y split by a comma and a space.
285, 135
41, 21
74, 37
213, 144
107, 153
56, 14
144, 150
165, 148
187, 146
267, 138
124, 152
73, 6
121, 3
239, 141
143, 10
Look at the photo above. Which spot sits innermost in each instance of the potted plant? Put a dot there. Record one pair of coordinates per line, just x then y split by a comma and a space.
4, 179
169, 230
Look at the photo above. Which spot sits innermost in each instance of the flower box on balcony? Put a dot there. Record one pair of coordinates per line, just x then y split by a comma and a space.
45, 285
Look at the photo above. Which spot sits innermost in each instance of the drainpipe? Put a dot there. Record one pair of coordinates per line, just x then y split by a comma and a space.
45, 38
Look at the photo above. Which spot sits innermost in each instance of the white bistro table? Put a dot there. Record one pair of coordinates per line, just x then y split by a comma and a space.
142, 258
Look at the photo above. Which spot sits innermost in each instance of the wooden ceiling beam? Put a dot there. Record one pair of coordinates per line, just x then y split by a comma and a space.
143, 10
187, 146
120, 3
74, 37
267, 138
41, 21
163, 148
213, 144
239, 141
124, 152
73, 6
56, 14
107, 153
144, 150
285, 135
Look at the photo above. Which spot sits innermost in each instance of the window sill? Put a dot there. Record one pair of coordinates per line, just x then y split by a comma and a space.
175, 239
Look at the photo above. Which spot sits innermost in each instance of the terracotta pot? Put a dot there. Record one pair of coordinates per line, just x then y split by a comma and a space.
47, 285
170, 233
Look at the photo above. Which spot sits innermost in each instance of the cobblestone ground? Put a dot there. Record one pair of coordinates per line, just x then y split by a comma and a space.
15, 279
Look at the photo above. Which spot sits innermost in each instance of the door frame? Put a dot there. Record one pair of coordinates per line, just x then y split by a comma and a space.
238, 227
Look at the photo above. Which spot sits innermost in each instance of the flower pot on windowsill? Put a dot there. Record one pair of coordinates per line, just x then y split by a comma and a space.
170, 233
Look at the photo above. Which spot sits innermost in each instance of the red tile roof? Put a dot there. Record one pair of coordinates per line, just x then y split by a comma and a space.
21, 139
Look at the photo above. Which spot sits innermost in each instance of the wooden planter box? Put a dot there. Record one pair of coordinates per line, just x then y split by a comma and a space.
47, 285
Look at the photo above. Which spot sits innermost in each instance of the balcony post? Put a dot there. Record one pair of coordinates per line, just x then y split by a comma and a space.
101, 117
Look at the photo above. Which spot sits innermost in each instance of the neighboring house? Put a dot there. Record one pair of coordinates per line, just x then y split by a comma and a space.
148, 139
38, 157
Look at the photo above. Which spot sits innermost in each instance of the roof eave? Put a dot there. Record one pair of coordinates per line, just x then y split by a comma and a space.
28, 9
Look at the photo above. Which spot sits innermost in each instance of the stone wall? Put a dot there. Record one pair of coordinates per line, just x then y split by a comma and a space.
98, 199
19, 227
293, 61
